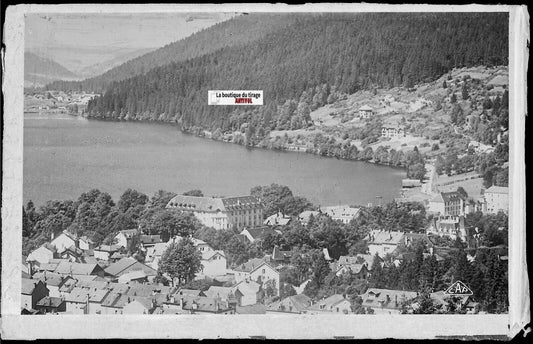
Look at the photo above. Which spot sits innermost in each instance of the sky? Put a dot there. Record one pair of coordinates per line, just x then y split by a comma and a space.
80, 40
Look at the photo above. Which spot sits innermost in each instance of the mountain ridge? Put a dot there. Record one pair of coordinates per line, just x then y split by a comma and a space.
302, 66
39, 70
236, 31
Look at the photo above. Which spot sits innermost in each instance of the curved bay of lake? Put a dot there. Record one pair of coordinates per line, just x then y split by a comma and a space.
65, 156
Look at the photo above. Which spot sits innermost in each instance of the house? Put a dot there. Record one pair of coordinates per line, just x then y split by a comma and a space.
295, 304
134, 276
72, 254
367, 260
51, 304
73, 269
67, 286
279, 257
53, 281
64, 241
213, 264
472, 307
188, 292
85, 243
195, 305
140, 305
259, 233
114, 303
447, 204
392, 131
229, 294
497, 199
42, 255
116, 257
154, 253
82, 300
128, 264
277, 219
448, 226
147, 241
31, 292
386, 301
104, 252
51, 267
304, 216
384, 242
365, 111
258, 270
343, 213
125, 237
222, 213
250, 291
335, 304
347, 264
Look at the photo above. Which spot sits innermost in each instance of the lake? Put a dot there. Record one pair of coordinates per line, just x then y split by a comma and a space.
65, 156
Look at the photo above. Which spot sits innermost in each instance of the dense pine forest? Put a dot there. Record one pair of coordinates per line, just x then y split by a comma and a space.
238, 31
301, 66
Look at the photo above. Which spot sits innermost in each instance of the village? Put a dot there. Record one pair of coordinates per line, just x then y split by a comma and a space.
57, 102
69, 274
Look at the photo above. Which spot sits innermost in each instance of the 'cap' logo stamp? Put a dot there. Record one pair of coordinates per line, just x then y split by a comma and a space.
458, 288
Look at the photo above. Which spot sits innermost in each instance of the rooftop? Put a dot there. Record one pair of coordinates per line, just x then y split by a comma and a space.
50, 301
28, 285
498, 190
76, 268
385, 237
328, 303
250, 265
194, 203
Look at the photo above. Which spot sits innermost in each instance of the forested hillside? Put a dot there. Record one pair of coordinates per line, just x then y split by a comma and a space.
39, 70
307, 65
237, 31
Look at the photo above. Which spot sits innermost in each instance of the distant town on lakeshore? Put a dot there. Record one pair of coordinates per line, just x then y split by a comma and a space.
420, 92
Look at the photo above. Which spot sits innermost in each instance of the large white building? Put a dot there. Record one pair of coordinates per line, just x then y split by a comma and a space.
343, 213
497, 199
222, 213
384, 242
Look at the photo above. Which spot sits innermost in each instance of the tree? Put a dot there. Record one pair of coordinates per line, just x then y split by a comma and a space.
286, 290
321, 269
377, 278
464, 91
425, 305
417, 171
181, 260
161, 198
195, 192
279, 198
462, 191
168, 223
131, 198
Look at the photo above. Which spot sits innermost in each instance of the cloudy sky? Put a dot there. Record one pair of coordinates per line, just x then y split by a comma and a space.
80, 40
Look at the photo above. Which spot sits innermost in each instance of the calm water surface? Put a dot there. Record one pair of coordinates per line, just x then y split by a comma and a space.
65, 156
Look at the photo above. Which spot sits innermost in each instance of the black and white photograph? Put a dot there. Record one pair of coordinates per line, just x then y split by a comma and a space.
274, 164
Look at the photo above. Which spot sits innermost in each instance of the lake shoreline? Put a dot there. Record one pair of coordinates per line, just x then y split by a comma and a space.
251, 147
65, 156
